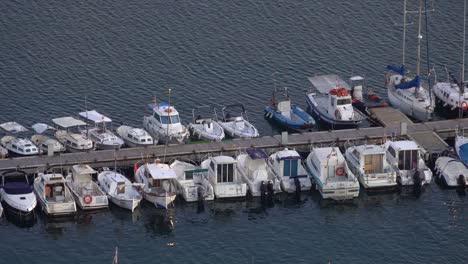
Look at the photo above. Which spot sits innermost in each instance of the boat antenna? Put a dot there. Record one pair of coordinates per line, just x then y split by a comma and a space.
463, 57
427, 52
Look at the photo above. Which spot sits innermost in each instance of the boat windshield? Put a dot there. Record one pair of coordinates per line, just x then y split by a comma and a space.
54, 191
290, 168
225, 173
174, 119
343, 101
408, 159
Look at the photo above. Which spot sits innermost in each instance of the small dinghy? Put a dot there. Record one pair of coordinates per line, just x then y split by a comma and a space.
135, 137
16, 145
87, 193
205, 127
17, 196
53, 194
287, 166
253, 168
237, 126
223, 175
121, 191
288, 115
102, 137
333, 179
159, 183
44, 142
451, 172
192, 181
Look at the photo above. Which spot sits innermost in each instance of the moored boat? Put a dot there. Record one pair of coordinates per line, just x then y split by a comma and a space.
17, 196
287, 166
44, 142
102, 137
451, 172
86, 192
135, 137
69, 134
16, 145
54, 196
205, 127
164, 124
235, 124
192, 181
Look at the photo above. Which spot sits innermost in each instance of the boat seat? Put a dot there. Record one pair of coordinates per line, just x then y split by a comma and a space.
59, 198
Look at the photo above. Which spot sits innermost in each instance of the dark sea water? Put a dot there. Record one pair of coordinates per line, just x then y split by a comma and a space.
120, 54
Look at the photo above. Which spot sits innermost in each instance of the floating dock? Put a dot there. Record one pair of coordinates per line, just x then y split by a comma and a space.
430, 135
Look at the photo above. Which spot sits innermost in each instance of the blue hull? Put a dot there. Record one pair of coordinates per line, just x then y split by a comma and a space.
333, 123
302, 119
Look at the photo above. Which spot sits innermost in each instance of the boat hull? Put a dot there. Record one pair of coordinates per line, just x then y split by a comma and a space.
129, 204
417, 113
304, 120
160, 201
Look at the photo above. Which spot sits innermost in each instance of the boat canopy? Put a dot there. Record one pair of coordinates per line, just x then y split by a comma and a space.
17, 188
255, 153
95, 116
13, 127
67, 122
325, 83
83, 169
416, 82
160, 171
398, 69
41, 127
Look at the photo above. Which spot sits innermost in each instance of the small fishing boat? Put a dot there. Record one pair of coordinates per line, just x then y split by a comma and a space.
287, 166
164, 124
288, 115
369, 164
102, 137
461, 148
192, 181
223, 176
333, 179
121, 191
363, 100
17, 196
253, 168
69, 134
332, 104
54, 196
205, 127
135, 137
451, 172
237, 125
16, 145
159, 183
86, 192
44, 142
405, 158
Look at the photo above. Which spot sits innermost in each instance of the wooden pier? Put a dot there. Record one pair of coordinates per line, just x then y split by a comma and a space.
430, 135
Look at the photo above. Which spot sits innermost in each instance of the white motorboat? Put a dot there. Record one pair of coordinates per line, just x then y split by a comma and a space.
164, 124
17, 196
121, 191
407, 93
44, 142
369, 164
135, 137
15, 145
451, 172
87, 193
253, 168
287, 165
333, 179
54, 196
223, 176
192, 181
69, 134
405, 158
159, 183
102, 137
237, 125
332, 104
205, 127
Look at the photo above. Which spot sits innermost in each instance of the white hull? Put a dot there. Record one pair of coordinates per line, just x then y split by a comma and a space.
452, 172
163, 201
161, 134
230, 190
191, 192
129, 204
17, 204
97, 201
239, 129
288, 185
57, 209
200, 131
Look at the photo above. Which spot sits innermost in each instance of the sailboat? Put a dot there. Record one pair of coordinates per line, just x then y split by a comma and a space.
404, 92
452, 94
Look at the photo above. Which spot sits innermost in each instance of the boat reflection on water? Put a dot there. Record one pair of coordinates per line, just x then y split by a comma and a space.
20, 220
157, 221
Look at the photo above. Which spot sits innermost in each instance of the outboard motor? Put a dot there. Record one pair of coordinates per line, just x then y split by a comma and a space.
263, 191
201, 199
461, 181
297, 182
271, 191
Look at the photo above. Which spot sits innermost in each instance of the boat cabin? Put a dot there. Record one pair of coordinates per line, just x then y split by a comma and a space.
288, 164
140, 136
370, 157
404, 154
157, 175
329, 163
165, 114
24, 146
82, 173
53, 186
339, 99
224, 169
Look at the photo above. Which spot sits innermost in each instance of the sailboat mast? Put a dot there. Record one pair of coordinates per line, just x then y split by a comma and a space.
404, 31
418, 64
463, 57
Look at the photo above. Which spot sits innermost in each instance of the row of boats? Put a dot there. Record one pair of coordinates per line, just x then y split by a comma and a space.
336, 175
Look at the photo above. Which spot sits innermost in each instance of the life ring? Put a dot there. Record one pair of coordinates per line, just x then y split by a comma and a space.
340, 171
87, 199
464, 105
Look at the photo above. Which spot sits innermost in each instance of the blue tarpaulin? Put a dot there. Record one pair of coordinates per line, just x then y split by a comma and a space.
398, 69
416, 82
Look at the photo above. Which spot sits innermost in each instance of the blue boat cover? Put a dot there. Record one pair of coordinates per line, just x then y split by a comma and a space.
398, 69
17, 188
255, 153
463, 153
161, 104
416, 82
